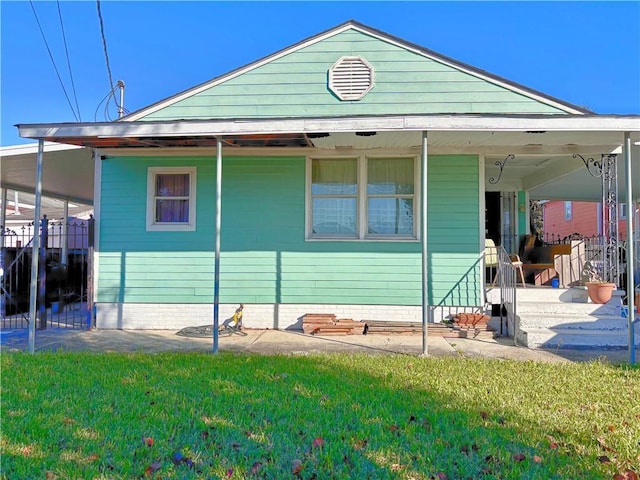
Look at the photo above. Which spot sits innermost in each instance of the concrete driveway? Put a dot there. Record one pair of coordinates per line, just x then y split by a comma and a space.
271, 342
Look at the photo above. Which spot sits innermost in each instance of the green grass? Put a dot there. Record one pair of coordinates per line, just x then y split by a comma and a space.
90, 416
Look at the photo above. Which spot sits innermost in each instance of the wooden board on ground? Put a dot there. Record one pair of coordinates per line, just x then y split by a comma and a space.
328, 324
390, 327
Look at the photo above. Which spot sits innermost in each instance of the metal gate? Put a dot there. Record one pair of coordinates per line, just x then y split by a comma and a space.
64, 275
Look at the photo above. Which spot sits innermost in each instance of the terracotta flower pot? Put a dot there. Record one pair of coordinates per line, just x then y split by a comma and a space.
600, 292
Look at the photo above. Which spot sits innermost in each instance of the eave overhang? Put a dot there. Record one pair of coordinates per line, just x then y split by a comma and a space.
297, 130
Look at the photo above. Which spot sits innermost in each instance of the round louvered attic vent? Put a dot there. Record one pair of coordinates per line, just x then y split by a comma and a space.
350, 78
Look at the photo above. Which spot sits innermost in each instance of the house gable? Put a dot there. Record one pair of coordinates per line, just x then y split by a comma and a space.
409, 80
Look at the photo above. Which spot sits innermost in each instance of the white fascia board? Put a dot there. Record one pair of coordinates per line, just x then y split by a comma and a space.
32, 148
529, 150
212, 128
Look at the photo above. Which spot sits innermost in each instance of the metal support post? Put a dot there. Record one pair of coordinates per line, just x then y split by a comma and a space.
64, 253
216, 281
35, 249
42, 272
630, 253
3, 227
423, 241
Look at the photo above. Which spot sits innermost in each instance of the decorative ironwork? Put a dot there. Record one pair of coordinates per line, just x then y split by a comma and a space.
500, 165
594, 167
610, 253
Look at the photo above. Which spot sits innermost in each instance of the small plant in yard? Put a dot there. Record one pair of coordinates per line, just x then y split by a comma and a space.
199, 416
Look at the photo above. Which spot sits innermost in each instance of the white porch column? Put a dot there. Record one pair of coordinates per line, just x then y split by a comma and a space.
216, 279
35, 249
65, 232
423, 241
626, 149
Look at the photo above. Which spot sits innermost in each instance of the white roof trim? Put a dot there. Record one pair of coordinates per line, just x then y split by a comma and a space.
475, 73
340, 29
32, 148
205, 86
448, 123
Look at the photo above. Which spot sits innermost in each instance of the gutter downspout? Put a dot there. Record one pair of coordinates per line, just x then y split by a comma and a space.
35, 248
626, 149
423, 241
216, 278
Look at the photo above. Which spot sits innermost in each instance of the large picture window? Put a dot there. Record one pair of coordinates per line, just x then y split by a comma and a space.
171, 199
362, 198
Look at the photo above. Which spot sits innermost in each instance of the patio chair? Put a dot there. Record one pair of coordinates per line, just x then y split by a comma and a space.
491, 258
491, 261
517, 264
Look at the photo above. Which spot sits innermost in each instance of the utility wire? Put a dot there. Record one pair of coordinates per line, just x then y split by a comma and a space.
66, 49
52, 60
106, 54
106, 97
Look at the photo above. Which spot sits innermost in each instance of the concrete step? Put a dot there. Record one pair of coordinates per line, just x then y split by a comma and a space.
546, 338
561, 308
543, 294
568, 321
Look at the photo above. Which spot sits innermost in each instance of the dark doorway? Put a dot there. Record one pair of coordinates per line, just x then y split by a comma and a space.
492, 216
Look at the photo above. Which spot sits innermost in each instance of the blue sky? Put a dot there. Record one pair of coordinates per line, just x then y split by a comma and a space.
586, 53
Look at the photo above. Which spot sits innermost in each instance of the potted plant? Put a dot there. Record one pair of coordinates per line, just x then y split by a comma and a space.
599, 290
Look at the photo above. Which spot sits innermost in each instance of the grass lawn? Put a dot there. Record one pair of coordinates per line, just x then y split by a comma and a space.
166, 416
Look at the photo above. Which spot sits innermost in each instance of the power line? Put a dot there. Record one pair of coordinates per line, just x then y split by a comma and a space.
33, 9
66, 49
104, 47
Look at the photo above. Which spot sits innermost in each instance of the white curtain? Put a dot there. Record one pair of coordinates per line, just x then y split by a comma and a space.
390, 189
334, 190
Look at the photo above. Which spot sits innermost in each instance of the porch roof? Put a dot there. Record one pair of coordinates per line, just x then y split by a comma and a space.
543, 146
136, 134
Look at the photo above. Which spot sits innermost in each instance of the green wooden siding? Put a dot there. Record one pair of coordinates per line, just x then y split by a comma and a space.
265, 258
295, 85
523, 211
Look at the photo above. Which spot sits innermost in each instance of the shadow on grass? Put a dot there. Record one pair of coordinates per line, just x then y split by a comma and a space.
316, 416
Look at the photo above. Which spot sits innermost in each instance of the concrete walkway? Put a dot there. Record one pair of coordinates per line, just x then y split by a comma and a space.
270, 342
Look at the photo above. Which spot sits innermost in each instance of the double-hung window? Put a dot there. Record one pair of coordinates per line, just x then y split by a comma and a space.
362, 198
171, 195
568, 210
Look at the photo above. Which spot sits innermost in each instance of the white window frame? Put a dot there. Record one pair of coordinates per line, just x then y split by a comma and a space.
362, 213
152, 225
622, 211
568, 210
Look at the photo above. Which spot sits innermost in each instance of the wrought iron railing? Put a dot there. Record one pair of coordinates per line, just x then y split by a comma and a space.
593, 249
63, 277
502, 275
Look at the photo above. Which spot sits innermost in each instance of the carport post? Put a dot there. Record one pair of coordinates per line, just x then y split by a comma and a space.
3, 226
423, 241
216, 277
630, 253
35, 250
3, 214
65, 234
